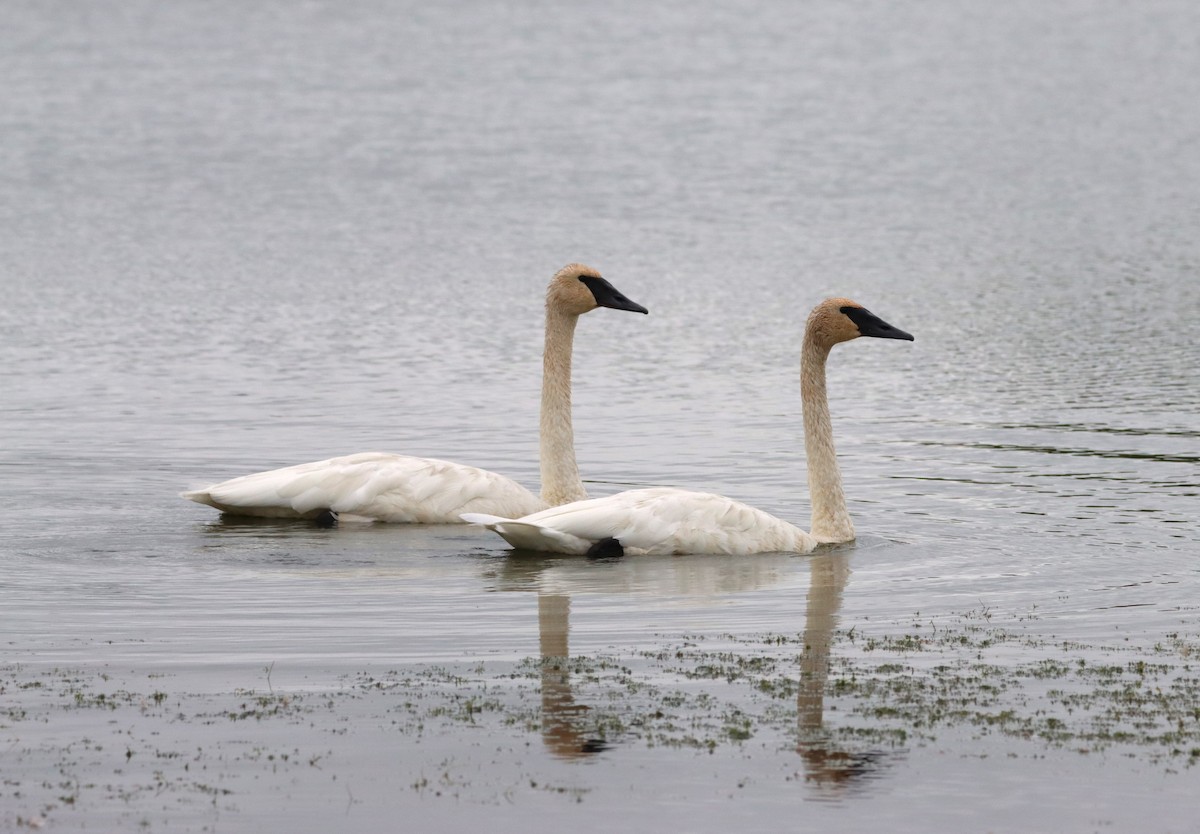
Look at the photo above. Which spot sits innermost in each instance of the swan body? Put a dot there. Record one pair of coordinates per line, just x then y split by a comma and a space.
375, 486
665, 520
378, 486
659, 521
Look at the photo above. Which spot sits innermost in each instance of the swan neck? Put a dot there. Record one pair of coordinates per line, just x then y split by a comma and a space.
561, 483
830, 518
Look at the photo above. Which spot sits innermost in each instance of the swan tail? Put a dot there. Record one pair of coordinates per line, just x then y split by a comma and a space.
200, 496
205, 496
488, 521
524, 535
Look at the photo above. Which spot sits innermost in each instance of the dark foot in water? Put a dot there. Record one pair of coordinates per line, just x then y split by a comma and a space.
326, 518
608, 548
594, 745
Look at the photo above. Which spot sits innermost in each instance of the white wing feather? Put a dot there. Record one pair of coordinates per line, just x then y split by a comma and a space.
373, 485
655, 521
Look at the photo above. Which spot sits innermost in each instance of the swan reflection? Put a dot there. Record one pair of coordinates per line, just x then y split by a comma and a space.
829, 765
567, 729
563, 721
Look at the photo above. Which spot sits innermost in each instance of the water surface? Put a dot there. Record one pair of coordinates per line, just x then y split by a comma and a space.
236, 238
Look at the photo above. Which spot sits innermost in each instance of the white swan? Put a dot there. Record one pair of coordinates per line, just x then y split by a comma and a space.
378, 486
664, 520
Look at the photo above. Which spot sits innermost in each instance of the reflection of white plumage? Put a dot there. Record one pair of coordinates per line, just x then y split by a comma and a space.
665, 520
379, 486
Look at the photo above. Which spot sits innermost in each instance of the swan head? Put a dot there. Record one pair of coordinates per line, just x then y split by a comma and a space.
577, 289
837, 320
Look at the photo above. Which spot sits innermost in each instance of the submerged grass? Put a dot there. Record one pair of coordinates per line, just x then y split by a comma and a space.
845, 703
887, 689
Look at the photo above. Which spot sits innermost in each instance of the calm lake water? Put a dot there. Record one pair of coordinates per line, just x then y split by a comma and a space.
238, 236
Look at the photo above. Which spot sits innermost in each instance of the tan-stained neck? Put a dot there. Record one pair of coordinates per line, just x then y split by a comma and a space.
561, 483
830, 518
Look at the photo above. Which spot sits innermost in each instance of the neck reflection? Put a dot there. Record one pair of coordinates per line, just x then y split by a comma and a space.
563, 724
830, 766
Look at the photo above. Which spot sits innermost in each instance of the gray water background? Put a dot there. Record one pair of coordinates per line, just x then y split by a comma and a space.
240, 236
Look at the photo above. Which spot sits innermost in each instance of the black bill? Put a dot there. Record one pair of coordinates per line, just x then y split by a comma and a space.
870, 324
607, 295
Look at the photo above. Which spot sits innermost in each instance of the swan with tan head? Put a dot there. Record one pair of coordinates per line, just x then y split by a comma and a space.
378, 486
665, 520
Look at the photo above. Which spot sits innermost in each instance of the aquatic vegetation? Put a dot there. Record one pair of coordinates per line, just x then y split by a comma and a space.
888, 689
844, 711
